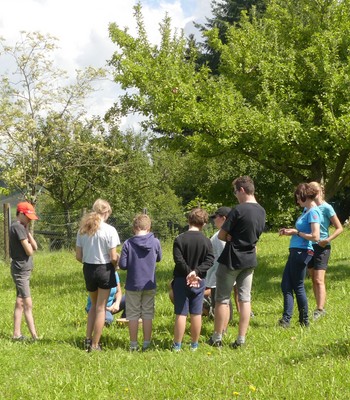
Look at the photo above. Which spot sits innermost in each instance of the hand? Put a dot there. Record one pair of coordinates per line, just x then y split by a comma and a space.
323, 243
192, 280
287, 232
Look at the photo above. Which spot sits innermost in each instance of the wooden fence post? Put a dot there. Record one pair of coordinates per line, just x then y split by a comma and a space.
6, 210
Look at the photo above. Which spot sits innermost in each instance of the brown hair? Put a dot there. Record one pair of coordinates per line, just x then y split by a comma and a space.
141, 222
198, 217
91, 222
244, 182
305, 191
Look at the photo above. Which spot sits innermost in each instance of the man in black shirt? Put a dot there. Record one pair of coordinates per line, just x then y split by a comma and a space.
241, 231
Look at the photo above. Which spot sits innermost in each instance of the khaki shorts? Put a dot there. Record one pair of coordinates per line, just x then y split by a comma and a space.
225, 279
139, 304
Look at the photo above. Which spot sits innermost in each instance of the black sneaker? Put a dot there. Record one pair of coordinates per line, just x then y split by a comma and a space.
236, 345
216, 343
87, 344
283, 323
304, 324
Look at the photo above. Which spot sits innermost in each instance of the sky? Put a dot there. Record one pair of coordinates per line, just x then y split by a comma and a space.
82, 29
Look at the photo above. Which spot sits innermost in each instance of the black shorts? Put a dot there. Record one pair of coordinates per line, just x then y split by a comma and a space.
99, 276
320, 258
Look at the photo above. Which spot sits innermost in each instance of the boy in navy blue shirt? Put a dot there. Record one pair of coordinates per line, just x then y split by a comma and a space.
139, 256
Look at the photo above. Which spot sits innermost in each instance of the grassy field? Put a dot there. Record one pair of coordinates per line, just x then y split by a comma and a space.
276, 363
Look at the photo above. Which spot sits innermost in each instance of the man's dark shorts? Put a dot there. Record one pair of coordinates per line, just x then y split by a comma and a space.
187, 299
99, 276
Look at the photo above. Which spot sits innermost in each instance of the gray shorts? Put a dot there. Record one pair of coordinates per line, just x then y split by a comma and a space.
139, 304
21, 280
226, 278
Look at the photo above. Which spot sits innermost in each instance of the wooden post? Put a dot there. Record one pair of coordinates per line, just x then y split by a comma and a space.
7, 222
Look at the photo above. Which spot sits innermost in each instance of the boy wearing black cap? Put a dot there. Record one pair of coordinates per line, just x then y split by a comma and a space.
22, 247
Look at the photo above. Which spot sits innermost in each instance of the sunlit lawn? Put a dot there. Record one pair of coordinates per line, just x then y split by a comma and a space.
295, 363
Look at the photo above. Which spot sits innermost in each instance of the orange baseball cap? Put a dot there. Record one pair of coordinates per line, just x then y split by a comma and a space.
27, 209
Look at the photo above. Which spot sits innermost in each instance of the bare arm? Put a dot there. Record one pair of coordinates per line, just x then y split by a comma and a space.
28, 248
223, 235
114, 256
338, 230
32, 241
79, 253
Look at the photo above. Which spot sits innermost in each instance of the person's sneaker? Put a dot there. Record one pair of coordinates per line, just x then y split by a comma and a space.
133, 348
304, 324
19, 338
87, 344
214, 343
146, 348
236, 345
92, 349
194, 347
319, 314
283, 323
176, 348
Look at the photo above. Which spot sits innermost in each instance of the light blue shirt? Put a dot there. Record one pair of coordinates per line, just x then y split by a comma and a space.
327, 212
303, 224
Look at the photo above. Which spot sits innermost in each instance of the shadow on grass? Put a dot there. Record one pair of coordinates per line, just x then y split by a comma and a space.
337, 349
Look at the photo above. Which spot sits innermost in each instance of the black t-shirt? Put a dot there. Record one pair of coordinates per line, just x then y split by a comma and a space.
20, 260
245, 223
192, 251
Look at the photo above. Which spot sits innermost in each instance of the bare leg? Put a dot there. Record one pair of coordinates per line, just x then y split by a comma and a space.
133, 329
244, 317
91, 315
319, 287
196, 326
147, 329
179, 328
235, 295
28, 313
17, 317
221, 313
102, 297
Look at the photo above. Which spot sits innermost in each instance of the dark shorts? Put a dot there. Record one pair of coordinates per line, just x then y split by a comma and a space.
187, 299
99, 276
21, 280
320, 258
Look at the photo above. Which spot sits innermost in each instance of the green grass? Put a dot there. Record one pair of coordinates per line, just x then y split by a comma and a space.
294, 363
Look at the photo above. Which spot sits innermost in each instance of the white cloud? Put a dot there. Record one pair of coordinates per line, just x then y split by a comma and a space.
82, 29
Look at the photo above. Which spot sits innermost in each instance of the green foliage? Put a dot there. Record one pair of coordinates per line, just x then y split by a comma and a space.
275, 363
281, 98
38, 111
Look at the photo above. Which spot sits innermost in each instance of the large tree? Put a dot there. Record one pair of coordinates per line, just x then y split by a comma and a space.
281, 98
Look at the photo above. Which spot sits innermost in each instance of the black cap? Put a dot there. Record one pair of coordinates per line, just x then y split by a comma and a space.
222, 211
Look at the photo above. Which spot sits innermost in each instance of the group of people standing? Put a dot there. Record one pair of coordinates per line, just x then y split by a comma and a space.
224, 263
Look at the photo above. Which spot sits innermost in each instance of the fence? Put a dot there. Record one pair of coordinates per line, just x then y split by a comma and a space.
55, 231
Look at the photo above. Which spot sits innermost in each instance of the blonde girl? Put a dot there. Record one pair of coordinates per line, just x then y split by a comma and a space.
96, 249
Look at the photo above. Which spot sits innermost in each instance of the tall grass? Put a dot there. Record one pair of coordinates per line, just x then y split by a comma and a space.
276, 363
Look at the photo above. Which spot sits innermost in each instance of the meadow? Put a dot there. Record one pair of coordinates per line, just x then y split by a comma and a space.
276, 363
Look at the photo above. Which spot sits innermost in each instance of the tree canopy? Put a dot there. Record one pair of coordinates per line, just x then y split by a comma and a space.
281, 97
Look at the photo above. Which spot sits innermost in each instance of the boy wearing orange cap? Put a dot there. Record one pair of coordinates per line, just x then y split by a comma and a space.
22, 247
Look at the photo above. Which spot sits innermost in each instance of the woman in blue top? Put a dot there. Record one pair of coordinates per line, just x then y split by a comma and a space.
322, 249
306, 231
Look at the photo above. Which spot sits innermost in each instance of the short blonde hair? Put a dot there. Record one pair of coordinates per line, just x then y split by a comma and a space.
141, 222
